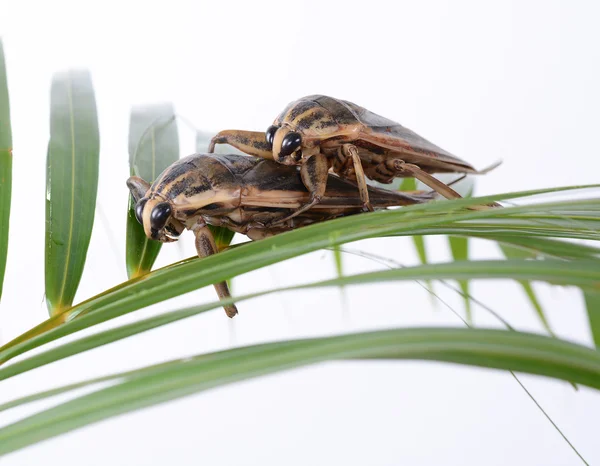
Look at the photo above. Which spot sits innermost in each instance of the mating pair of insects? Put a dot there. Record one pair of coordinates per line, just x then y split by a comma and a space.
310, 165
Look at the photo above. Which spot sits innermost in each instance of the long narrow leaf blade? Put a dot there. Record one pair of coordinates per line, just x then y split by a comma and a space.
71, 184
5, 166
190, 275
474, 270
153, 146
459, 246
547, 247
592, 302
157, 384
174, 280
516, 253
410, 184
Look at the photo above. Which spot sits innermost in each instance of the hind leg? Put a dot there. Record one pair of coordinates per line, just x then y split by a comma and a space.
402, 169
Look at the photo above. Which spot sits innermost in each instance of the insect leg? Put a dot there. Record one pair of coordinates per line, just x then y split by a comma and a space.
250, 142
137, 187
426, 178
205, 246
433, 183
351, 151
314, 172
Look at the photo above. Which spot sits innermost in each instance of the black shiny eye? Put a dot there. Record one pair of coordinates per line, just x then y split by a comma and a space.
139, 210
270, 135
290, 143
159, 216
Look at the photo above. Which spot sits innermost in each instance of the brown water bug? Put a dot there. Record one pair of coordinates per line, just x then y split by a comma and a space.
323, 134
245, 194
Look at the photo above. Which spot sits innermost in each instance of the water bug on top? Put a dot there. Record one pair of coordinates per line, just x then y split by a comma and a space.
321, 133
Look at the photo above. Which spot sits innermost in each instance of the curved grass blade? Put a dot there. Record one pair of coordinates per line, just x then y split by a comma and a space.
339, 264
153, 146
5, 166
71, 184
118, 333
192, 274
585, 274
106, 337
410, 184
152, 385
459, 246
223, 236
336, 232
546, 247
516, 253
592, 302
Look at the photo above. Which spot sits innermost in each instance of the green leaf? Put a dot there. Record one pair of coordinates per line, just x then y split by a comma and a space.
152, 385
223, 236
71, 184
592, 302
182, 278
191, 274
153, 146
337, 257
433, 271
459, 245
518, 253
547, 247
410, 184
5, 166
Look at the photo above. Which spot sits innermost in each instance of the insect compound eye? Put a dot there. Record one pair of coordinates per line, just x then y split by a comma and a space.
159, 216
290, 143
139, 210
270, 135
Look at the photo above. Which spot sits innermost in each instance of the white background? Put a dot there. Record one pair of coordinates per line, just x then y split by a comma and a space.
511, 80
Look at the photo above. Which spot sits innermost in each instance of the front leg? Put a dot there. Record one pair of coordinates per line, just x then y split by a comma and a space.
205, 246
314, 172
250, 142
